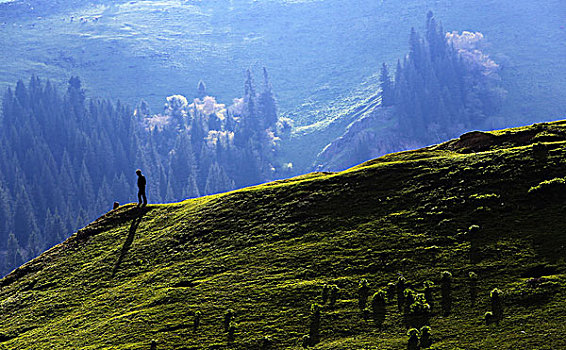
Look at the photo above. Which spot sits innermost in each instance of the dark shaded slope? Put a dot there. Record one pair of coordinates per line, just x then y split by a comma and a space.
266, 252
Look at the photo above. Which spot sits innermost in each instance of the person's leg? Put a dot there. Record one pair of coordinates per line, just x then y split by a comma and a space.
144, 198
140, 197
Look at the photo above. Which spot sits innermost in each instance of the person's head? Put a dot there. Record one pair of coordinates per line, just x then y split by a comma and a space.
138, 172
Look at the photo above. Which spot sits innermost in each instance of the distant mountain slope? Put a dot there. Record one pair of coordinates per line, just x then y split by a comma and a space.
445, 84
317, 50
137, 275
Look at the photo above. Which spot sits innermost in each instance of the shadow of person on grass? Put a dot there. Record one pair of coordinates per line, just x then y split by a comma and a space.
138, 215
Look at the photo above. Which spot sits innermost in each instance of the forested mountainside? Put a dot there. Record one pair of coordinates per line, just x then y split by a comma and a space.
65, 159
445, 85
317, 50
466, 238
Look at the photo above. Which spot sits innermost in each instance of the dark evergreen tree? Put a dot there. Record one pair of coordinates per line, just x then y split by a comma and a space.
182, 165
267, 107
217, 180
446, 292
228, 318
25, 222
13, 254
363, 294
496, 304
378, 307
333, 296
428, 293
473, 238
413, 342
325, 292
314, 326
35, 245
425, 337
21, 94
201, 89
386, 85
400, 287
196, 321
249, 123
55, 230
473, 286
76, 97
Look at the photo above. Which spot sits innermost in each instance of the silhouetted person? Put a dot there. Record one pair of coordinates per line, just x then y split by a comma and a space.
141, 188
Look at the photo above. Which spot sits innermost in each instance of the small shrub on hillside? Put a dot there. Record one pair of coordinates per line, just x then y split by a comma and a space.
549, 189
228, 318
333, 295
489, 318
325, 292
390, 289
232, 331
153, 345
363, 293
366, 313
419, 311
413, 343
473, 285
408, 299
314, 326
266, 343
473, 231
540, 151
419, 304
426, 337
400, 287
473, 237
428, 293
446, 292
496, 304
306, 341
378, 307
196, 321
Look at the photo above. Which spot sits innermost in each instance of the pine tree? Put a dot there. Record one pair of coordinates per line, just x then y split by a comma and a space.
86, 187
13, 254
201, 89
249, 124
446, 291
363, 294
378, 307
24, 219
314, 326
21, 94
415, 49
217, 180
267, 107
35, 245
55, 230
182, 164
387, 91
76, 96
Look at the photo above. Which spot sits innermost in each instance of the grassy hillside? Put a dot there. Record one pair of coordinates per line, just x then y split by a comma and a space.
137, 275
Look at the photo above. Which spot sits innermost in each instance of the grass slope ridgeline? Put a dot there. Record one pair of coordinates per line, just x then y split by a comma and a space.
169, 273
